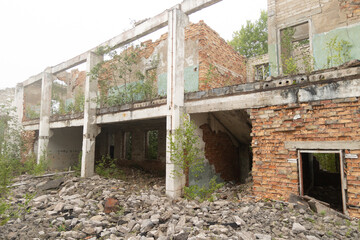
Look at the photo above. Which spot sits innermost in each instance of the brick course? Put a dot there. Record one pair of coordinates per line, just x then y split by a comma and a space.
219, 64
331, 120
221, 153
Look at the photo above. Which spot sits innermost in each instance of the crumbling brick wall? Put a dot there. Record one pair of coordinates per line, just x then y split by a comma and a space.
330, 120
351, 8
28, 139
221, 153
219, 64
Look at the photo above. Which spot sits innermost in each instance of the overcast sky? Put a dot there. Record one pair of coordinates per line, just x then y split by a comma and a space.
36, 34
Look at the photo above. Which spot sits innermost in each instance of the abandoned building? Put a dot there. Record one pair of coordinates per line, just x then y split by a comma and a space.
290, 118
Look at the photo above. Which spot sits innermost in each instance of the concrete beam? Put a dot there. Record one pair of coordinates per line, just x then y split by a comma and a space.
32, 79
67, 123
243, 101
139, 114
45, 111
33, 127
192, 6
323, 145
178, 20
291, 94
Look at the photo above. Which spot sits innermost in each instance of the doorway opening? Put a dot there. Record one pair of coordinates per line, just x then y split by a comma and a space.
322, 177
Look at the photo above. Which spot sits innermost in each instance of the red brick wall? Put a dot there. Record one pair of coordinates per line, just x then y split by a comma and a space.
351, 8
28, 139
221, 153
330, 120
219, 64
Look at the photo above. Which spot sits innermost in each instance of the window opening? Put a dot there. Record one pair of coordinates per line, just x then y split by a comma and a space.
322, 177
295, 50
262, 72
152, 137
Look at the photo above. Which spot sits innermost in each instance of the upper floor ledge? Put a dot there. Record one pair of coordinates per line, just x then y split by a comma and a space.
145, 109
347, 71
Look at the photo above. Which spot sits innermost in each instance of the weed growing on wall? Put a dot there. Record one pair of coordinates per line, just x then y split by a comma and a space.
59, 107
185, 151
289, 65
31, 113
295, 56
121, 81
338, 52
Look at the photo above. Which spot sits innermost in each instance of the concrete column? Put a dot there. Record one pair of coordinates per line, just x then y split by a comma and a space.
45, 111
175, 91
119, 137
138, 145
90, 130
273, 39
19, 102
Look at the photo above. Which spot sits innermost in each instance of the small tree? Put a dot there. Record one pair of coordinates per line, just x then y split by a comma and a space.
185, 151
252, 39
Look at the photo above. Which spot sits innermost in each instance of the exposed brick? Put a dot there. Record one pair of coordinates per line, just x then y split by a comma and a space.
270, 152
221, 153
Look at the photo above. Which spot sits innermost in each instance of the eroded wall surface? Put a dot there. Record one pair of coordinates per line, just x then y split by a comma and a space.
226, 157
64, 147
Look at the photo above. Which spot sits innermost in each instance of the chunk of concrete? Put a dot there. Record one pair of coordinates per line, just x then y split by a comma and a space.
52, 184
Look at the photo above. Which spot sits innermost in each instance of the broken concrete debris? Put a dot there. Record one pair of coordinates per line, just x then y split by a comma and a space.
144, 212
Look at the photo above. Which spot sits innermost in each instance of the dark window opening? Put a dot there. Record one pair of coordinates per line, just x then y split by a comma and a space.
295, 49
262, 71
152, 144
321, 178
112, 151
128, 145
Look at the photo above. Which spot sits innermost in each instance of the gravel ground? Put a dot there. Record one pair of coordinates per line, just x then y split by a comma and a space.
69, 207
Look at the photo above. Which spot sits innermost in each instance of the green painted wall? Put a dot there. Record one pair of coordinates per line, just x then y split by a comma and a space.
272, 60
191, 80
162, 78
350, 34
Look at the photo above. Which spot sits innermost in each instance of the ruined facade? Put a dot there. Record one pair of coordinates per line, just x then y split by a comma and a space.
294, 144
318, 26
291, 130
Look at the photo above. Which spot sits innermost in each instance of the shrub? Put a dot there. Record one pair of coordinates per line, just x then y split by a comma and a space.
202, 193
106, 167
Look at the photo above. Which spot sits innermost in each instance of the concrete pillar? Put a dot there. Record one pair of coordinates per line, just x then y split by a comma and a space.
19, 102
273, 39
45, 111
175, 91
138, 145
90, 130
119, 137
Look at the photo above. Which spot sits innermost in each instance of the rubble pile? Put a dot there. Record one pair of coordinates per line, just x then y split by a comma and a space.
69, 207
